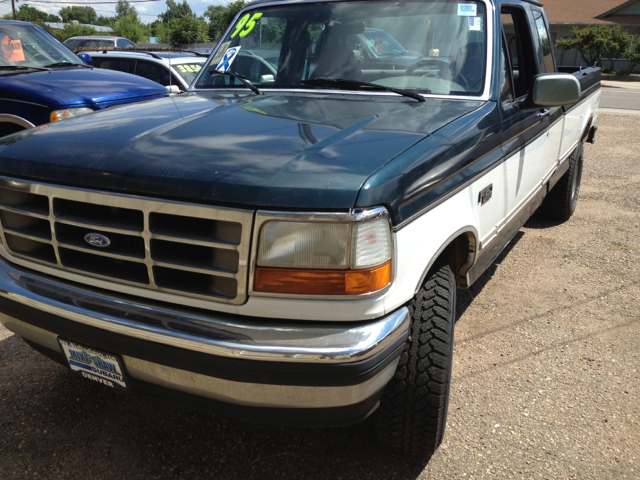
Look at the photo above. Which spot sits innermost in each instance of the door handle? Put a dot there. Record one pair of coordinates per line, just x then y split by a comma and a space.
544, 114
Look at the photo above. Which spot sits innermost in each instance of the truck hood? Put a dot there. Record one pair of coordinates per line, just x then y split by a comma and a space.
77, 86
275, 151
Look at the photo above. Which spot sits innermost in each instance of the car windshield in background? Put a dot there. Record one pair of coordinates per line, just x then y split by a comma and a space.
188, 71
25, 47
427, 47
82, 43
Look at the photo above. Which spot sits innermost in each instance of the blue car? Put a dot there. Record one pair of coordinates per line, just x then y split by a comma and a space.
42, 81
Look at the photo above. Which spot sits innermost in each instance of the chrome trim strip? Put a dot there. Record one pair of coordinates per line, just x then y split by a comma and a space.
238, 393
146, 206
354, 215
257, 394
254, 339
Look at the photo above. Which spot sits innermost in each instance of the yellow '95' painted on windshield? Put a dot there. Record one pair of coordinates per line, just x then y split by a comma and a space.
246, 24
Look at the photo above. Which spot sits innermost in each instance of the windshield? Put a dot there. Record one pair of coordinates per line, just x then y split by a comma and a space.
24, 46
89, 43
188, 71
434, 47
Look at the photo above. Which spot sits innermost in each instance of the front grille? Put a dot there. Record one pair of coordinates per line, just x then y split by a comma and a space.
196, 251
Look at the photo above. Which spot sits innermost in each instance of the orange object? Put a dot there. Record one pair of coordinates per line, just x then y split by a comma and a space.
321, 282
12, 50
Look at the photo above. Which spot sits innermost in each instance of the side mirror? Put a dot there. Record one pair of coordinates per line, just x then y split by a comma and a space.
554, 90
85, 57
172, 89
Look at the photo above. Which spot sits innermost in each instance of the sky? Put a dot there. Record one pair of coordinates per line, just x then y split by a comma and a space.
148, 11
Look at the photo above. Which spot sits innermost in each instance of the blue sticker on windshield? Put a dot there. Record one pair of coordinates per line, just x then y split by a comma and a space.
467, 9
229, 56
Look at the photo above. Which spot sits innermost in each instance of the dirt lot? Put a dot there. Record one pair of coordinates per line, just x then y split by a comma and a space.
546, 378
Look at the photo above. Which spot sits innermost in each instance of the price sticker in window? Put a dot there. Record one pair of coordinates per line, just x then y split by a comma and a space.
12, 50
246, 24
467, 10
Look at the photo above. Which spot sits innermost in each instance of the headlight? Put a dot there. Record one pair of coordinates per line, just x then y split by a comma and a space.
324, 257
68, 113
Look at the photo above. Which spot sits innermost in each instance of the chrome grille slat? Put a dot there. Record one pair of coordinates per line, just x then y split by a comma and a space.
215, 269
202, 243
89, 225
205, 271
101, 253
25, 235
24, 212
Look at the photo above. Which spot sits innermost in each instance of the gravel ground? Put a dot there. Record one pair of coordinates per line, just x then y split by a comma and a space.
546, 374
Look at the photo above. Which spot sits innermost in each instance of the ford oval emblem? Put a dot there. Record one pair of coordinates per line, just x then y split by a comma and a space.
97, 240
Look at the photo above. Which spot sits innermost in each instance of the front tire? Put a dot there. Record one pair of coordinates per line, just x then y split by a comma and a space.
412, 414
561, 201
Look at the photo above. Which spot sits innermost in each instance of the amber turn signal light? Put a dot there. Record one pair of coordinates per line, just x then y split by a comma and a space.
321, 282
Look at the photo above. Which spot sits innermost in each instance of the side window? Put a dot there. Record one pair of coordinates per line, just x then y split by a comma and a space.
153, 71
506, 90
547, 56
123, 43
519, 48
120, 64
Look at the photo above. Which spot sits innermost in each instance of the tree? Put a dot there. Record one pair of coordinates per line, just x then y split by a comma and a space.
176, 10
124, 9
104, 20
130, 27
30, 14
633, 54
220, 17
74, 31
85, 15
618, 43
594, 42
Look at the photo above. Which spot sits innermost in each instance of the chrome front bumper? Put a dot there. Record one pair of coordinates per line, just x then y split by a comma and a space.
232, 359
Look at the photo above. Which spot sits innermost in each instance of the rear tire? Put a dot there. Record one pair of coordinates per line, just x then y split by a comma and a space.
561, 201
413, 409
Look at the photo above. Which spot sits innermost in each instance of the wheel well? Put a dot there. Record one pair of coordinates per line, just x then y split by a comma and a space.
460, 254
586, 130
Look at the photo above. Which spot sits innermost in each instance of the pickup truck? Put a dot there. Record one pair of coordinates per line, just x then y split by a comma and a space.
42, 81
287, 248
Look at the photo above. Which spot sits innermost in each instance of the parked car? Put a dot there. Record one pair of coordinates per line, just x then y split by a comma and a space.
166, 68
289, 249
98, 41
43, 81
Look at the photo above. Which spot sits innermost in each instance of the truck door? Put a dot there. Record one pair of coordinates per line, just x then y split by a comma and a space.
525, 132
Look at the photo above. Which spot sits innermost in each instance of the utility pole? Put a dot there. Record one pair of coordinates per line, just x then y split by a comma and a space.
13, 4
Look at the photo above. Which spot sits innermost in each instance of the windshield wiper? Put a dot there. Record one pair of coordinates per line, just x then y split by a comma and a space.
244, 81
68, 64
23, 67
342, 82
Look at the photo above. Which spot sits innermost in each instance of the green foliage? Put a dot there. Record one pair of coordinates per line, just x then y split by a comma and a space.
176, 10
595, 42
125, 9
85, 15
104, 21
130, 27
220, 17
187, 30
618, 43
633, 55
73, 31
30, 14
